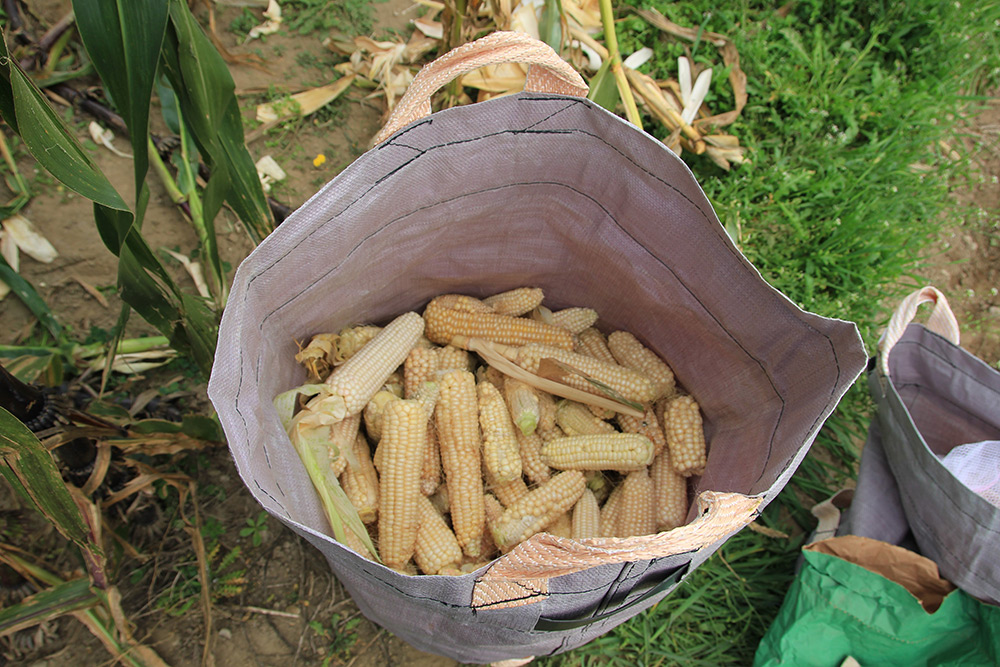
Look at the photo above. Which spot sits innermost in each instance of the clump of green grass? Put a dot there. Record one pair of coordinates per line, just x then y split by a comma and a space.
849, 104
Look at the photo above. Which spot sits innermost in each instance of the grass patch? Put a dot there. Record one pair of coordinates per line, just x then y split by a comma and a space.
853, 108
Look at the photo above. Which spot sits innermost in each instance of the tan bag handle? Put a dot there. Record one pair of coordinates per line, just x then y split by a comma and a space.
941, 321
547, 73
522, 576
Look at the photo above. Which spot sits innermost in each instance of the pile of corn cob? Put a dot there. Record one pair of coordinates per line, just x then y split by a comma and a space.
472, 458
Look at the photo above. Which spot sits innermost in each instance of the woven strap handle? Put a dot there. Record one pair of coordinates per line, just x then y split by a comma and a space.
547, 73
522, 576
941, 321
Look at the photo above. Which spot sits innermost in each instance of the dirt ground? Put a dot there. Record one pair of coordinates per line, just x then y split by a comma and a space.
290, 609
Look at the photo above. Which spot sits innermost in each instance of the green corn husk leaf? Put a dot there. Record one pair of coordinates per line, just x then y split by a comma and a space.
123, 39
313, 448
30, 469
604, 88
26, 111
48, 605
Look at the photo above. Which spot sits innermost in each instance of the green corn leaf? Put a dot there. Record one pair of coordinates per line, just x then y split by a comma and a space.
205, 89
604, 88
29, 368
48, 605
35, 303
45, 136
123, 38
550, 25
29, 468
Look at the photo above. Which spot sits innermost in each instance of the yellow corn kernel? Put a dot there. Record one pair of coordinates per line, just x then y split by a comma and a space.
444, 323
522, 402
352, 339
451, 358
530, 449
670, 489
501, 457
610, 513
539, 508
457, 421
562, 526
546, 414
576, 419
430, 472
360, 481
436, 548
574, 320
685, 433
404, 436
629, 384
353, 542
592, 343
342, 435
516, 301
610, 451
648, 425
373, 413
630, 353
357, 380
508, 492
637, 514
421, 366
586, 521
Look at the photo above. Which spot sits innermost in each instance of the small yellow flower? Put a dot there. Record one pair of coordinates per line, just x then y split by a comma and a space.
318, 160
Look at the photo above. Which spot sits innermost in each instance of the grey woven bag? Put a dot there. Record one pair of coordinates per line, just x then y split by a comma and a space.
541, 188
931, 396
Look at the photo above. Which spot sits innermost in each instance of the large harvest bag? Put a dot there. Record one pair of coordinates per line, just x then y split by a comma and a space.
880, 605
931, 396
541, 188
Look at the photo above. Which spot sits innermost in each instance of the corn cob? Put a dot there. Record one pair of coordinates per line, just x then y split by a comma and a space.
373, 413
394, 384
610, 451
546, 414
629, 384
457, 421
516, 301
357, 380
436, 548
451, 358
574, 320
670, 489
648, 426
592, 343
440, 499
342, 435
352, 339
444, 323
610, 513
522, 401
360, 482
421, 366
575, 419
539, 508
630, 353
353, 542
403, 440
501, 457
530, 449
637, 515
562, 526
487, 373
430, 475
685, 436
493, 510
508, 492
586, 517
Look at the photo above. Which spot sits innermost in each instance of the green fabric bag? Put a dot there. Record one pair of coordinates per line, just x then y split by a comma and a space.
837, 609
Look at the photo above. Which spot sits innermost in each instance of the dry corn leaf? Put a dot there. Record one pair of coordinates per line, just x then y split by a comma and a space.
497, 79
26, 237
91, 290
730, 57
105, 138
585, 13
8, 249
305, 103
271, 25
194, 270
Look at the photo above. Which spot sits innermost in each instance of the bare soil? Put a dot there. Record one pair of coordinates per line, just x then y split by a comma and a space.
281, 614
